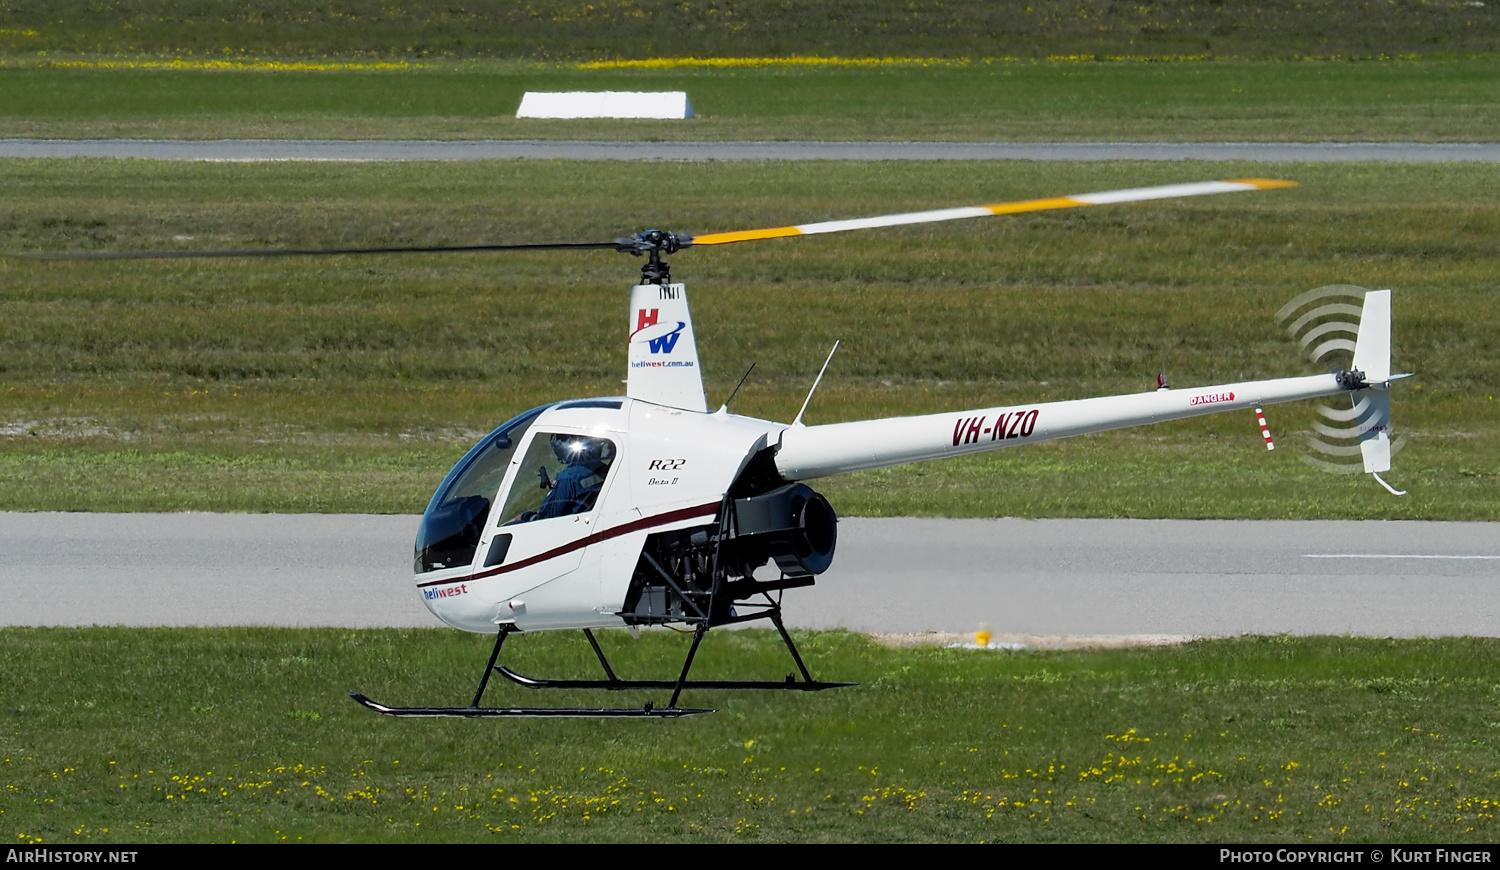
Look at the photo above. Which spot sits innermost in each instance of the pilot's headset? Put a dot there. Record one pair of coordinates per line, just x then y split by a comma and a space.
578, 450
568, 449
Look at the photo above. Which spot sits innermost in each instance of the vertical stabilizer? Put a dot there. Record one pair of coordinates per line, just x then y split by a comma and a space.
1372, 350
663, 356
1372, 359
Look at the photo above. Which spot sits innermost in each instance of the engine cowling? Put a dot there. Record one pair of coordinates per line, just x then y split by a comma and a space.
793, 524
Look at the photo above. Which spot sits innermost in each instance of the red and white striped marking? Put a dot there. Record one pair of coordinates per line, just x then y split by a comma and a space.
1260, 417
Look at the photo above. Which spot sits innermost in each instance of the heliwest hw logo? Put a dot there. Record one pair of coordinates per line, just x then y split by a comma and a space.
658, 337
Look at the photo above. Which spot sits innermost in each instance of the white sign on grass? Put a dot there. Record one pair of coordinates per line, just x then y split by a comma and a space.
605, 104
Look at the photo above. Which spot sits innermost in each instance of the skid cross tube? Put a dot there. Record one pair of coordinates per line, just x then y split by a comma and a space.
484, 679
791, 647
716, 585
614, 683
687, 663
609, 671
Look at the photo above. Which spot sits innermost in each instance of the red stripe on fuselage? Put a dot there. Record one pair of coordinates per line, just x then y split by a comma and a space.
634, 526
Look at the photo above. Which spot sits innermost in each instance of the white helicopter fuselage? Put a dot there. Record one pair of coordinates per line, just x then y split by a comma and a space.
673, 467
671, 471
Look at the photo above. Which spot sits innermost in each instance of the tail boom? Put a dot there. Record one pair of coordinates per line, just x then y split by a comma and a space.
808, 452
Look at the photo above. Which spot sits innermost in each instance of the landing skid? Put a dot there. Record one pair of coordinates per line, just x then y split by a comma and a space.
611, 683
645, 712
790, 684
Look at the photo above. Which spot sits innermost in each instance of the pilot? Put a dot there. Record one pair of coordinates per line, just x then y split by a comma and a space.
586, 461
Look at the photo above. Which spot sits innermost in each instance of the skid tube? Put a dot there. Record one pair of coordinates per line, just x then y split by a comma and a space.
474, 711
613, 683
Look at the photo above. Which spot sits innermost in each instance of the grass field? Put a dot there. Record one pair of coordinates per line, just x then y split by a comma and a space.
1417, 100
117, 735
350, 384
856, 69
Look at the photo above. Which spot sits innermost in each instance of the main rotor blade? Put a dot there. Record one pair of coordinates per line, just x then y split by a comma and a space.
1135, 194
657, 241
309, 252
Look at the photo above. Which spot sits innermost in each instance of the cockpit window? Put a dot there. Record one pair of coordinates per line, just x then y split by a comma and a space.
455, 517
561, 475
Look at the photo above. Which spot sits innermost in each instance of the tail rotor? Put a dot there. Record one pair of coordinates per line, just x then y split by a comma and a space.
1356, 438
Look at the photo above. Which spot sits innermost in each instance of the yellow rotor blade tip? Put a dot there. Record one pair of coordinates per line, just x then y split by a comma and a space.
1265, 183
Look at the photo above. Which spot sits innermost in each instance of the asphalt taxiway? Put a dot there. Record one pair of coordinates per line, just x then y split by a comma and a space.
1025, 578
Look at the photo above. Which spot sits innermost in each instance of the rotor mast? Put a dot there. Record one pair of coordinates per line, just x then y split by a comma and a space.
653, 244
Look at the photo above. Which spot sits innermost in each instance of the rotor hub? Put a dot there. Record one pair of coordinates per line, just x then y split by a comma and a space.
654, 243
1351, 380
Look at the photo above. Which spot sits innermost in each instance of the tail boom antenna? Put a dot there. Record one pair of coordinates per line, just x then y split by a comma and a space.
816, 381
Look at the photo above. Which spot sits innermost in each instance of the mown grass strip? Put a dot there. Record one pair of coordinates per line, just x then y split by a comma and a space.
1420, 99
117, 735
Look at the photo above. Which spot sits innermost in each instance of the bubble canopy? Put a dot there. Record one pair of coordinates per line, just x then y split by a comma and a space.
455, 518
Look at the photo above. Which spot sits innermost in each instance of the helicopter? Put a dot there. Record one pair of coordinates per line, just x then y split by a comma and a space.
648, 509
